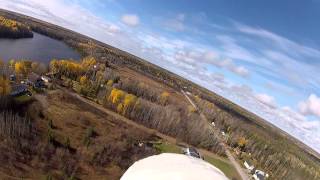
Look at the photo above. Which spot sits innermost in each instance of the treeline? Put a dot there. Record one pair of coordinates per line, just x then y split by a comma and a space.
136, 101
171, 120
13, 29
268, 152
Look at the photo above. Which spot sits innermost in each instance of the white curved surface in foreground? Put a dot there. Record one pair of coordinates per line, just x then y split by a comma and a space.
169, 166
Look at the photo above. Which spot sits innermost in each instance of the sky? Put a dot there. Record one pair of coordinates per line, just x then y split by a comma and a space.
262, 55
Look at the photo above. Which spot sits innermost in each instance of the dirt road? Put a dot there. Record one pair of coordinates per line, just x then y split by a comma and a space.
233, 161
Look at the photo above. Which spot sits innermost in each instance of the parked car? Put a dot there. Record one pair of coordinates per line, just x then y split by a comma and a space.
260, 175
192, 152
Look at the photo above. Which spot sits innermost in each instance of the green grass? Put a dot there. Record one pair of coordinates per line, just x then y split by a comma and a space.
167, 148
225, 167
23, 99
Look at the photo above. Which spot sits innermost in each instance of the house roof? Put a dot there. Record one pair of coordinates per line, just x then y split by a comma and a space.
17, 89
33, 77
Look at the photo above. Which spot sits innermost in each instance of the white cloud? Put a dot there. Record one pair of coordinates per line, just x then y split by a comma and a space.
242, 71
176, 23
130, 19
266, 99
311, 106
282, 42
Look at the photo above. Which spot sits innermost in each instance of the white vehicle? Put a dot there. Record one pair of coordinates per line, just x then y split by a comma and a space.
192, 152
260, 175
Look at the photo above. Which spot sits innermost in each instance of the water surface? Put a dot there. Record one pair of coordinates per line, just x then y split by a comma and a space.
39, 48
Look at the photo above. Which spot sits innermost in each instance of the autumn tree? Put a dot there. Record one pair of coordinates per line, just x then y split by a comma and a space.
164, 98
116, 95
22, 67
128, 103
83, 80
38, 68
88, 63
242, 142
4, 86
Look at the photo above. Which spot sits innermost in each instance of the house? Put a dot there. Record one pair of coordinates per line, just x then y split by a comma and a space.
46, 79
35, 81
248, 167
12, 77
19, 90
260, 175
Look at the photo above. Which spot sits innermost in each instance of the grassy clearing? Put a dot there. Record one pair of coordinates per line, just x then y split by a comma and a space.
165, 147
225, 167
23, 99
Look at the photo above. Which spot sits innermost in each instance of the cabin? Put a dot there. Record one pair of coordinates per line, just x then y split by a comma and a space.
19, 90
248, 167
46, 79
12, 78
35, 81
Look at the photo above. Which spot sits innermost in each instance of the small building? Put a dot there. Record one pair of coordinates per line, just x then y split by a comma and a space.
248, 167
46, 79
35, 81
19, 90
12, 77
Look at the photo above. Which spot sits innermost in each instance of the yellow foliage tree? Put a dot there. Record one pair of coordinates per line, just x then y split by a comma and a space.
116, 95
20, 68
242, 142
88, 62
129, 101
120, 108
164, 97
83, 80
110, 82
4, 86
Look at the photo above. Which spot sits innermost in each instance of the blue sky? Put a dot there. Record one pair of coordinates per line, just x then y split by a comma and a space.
263, 55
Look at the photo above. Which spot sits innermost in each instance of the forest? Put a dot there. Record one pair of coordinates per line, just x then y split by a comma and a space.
13, 29
136, 100
266, 149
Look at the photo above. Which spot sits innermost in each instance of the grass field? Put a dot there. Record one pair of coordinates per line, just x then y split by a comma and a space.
22, 99
225, 167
